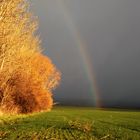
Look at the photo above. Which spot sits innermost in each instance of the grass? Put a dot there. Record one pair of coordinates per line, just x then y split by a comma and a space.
72, 123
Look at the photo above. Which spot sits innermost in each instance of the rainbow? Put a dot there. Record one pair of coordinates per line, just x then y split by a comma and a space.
85, 57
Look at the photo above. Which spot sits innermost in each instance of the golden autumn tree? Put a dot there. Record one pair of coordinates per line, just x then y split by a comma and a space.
27, 77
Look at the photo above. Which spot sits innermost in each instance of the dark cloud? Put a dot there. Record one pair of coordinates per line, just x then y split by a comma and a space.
111, 31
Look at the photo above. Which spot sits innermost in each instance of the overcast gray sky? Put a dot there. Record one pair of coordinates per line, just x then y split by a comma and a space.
111, 31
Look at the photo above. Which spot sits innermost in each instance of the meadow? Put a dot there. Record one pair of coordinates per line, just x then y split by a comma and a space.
72, 123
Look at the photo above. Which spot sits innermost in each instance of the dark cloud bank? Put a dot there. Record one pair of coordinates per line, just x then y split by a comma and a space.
111, 30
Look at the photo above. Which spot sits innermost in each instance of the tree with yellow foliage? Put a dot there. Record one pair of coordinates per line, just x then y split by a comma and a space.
27, 77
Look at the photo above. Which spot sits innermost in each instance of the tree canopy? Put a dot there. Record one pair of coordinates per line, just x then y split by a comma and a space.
27, 77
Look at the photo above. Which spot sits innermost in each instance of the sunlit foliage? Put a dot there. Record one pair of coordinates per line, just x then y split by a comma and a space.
27, 77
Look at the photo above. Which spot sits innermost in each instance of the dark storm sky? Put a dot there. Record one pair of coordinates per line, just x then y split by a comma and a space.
111, 30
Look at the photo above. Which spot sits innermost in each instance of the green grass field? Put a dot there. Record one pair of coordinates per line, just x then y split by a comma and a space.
72, 123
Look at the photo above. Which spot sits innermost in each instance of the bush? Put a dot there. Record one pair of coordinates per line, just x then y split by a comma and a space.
30, 92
